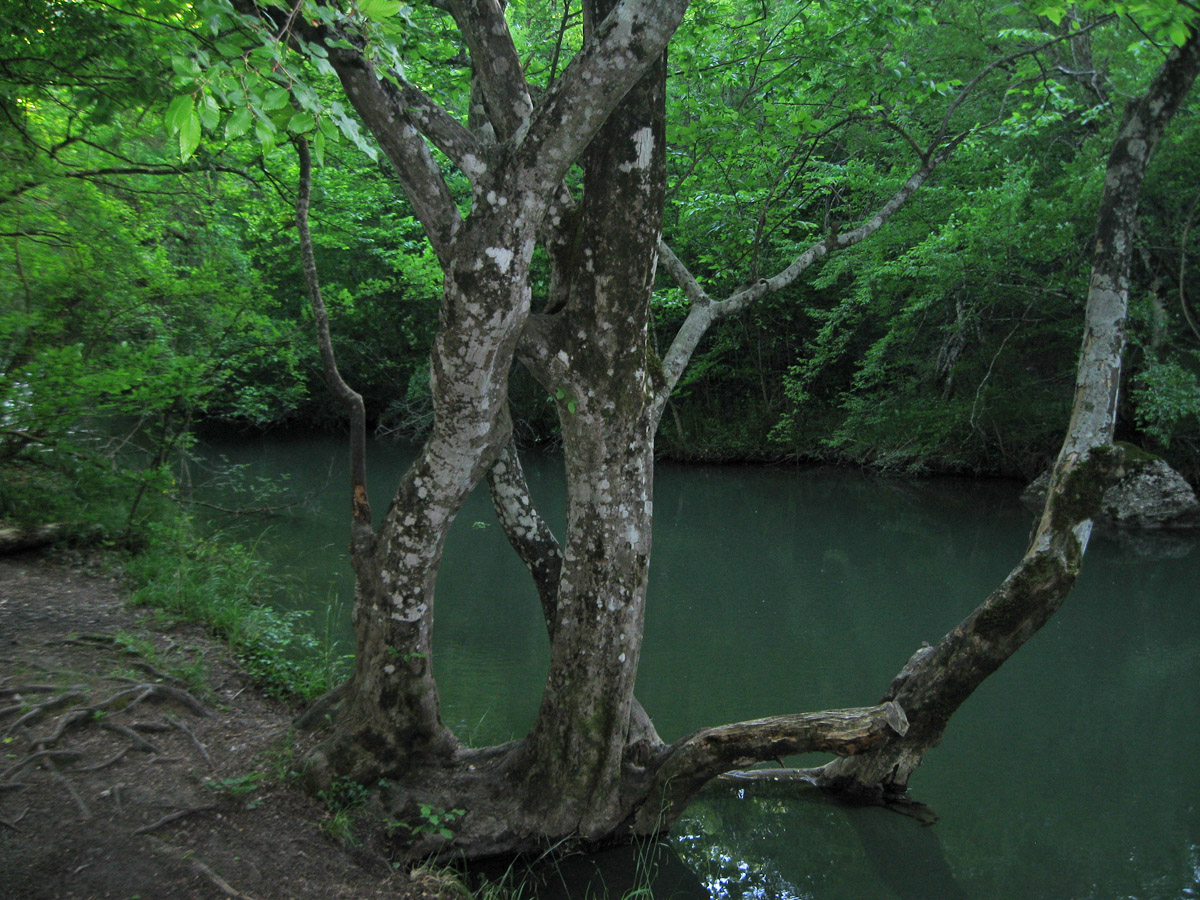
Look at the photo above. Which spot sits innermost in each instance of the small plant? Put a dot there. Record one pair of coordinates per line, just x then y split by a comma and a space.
342, 797
238, 785
434, 821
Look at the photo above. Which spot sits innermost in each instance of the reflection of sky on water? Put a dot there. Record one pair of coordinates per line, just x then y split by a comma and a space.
1070, 774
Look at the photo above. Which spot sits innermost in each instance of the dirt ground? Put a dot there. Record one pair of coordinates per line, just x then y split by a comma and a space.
120, 780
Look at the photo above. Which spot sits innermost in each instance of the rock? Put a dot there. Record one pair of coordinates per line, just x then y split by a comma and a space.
1151, 495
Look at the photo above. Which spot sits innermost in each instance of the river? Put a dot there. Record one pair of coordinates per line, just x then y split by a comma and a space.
1074, 772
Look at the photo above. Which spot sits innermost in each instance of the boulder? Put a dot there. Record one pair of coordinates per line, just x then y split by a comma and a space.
1150, 495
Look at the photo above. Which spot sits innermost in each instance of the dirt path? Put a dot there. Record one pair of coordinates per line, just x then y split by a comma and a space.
117, 780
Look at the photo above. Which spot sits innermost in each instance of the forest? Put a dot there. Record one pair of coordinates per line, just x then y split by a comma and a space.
872, 235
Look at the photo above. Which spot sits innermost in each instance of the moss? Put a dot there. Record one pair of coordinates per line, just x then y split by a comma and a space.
1020, 596
1135, 456
1081, 495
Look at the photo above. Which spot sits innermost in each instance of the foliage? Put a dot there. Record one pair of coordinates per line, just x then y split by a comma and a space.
153, 280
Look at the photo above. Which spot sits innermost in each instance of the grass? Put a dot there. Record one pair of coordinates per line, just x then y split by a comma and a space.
224, 585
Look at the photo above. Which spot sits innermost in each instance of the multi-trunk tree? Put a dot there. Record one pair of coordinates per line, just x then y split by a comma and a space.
592, 766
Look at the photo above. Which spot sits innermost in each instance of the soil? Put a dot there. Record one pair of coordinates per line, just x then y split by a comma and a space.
138, 761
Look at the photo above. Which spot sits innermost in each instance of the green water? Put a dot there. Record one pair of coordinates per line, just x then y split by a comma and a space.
1073, 773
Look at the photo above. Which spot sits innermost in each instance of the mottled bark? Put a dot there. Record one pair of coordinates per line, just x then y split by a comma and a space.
595, 362
936, 680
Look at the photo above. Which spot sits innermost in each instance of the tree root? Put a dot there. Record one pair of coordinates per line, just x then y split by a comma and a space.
139, 742
142, 692
39, 756
84, 812
35, 712
178, 855
195, 740
112, 760
171, 817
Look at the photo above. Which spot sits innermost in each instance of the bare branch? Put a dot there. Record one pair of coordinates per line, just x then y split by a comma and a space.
705, 311
333, 378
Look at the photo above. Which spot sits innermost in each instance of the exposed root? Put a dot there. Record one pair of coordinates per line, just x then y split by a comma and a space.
12, 823
67, 720
142, 692
182, 726
84, 812
139, 742
39, 756
39, 709
112, 760
171, 817
220, 883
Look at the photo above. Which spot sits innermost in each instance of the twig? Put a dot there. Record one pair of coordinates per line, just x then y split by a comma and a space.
171, 817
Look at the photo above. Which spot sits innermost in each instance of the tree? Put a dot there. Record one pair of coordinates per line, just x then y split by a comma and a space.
592, 767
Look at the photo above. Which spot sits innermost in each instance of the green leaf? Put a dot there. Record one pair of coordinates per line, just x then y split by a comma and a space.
185, 66
238, 124
265, 132
178, 112
301, 122
276, 99
378, 9
210, 115
189, 136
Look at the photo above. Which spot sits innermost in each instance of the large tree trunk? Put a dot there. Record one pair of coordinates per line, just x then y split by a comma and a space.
936, 680
594, 360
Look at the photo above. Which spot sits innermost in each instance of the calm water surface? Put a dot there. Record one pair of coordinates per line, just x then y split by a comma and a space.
1073, 773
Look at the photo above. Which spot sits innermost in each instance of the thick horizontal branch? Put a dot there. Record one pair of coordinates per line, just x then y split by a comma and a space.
688, 764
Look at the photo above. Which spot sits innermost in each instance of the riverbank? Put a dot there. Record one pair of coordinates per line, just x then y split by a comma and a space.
139, 760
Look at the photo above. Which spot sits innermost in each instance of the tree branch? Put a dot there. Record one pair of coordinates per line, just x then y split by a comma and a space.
689, 763
495, 62
625, 44
937, 680
705, 310
333, 378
